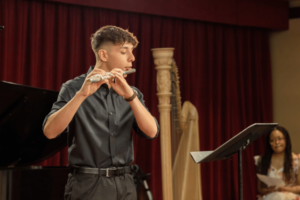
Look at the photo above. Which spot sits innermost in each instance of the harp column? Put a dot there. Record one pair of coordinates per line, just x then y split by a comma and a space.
163, 60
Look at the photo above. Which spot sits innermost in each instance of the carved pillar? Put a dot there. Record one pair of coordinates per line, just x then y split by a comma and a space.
163, 61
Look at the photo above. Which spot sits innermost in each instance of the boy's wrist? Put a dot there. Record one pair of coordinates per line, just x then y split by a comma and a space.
128, 95
132, 96
80, 96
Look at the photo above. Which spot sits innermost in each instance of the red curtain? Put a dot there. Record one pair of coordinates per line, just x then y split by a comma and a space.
225, 72
257, 13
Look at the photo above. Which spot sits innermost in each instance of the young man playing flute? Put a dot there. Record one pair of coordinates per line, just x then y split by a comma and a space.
98, 118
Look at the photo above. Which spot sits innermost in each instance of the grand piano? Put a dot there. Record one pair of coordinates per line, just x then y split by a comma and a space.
23, 144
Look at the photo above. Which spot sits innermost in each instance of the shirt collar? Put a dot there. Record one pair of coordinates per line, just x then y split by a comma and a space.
90, 69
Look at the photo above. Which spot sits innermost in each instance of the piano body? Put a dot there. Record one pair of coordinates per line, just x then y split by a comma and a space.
22, 144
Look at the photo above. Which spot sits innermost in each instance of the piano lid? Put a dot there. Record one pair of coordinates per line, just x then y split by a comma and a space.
22, 112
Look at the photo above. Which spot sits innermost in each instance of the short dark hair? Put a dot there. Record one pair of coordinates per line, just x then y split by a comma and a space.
112, 34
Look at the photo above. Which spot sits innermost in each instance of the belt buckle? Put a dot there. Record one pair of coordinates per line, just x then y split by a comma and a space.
107, 172
108, 169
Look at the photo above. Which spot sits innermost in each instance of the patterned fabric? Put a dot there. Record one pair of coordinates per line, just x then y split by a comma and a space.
278, 173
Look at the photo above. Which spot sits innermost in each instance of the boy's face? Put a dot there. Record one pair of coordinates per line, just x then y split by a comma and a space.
120, 56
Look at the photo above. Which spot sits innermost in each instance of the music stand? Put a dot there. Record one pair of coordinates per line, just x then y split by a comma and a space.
235, 145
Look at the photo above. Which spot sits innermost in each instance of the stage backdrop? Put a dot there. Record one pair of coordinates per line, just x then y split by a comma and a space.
224, 70
257, 13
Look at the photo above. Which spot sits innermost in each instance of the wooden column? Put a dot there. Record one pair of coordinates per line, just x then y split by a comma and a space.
163, 61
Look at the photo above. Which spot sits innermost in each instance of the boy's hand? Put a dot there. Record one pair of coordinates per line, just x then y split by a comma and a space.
119, 84
88, 89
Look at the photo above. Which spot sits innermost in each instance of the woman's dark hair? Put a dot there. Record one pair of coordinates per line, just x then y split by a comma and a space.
266, 158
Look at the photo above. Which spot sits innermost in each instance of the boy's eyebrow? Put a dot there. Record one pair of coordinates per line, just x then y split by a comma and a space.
126, 48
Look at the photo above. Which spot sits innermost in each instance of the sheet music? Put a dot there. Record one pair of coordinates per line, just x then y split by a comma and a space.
270, 181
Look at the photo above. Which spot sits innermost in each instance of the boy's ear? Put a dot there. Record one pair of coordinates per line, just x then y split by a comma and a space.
103, 55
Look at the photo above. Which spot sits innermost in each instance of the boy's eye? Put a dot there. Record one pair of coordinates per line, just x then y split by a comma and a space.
123, 52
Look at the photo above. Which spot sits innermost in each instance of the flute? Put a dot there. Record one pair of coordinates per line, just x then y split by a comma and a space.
99, 77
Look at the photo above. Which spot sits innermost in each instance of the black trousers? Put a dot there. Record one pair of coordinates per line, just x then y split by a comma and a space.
94, 187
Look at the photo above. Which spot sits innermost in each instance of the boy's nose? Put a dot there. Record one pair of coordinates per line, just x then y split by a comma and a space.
131, 58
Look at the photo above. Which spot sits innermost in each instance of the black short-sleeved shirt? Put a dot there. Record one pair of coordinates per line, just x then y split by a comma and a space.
99, 134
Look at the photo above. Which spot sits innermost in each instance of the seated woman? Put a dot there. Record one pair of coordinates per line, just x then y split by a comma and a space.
279, 162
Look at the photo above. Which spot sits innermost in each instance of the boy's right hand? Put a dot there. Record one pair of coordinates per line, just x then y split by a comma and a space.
88, 89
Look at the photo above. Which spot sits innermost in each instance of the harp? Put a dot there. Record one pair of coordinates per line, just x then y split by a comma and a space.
181, 177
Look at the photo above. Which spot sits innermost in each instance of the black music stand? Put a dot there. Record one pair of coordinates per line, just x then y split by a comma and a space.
235, 145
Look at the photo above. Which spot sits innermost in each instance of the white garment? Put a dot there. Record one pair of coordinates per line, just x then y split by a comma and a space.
278, 173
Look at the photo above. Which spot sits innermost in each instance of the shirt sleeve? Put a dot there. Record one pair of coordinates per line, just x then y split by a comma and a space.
256, 160
63, 98
296, 159
136, 128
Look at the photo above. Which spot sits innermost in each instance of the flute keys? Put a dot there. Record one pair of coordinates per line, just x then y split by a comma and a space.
95, 78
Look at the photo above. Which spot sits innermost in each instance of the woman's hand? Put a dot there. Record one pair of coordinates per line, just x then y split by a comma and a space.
270, 189
293, 189
284, 189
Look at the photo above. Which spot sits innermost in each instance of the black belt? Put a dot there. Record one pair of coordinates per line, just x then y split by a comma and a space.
107, 172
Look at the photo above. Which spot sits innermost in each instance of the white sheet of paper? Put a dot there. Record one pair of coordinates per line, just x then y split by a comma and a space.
271, 181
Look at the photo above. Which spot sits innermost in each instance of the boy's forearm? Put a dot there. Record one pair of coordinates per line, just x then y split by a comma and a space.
144, 119
59, 120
